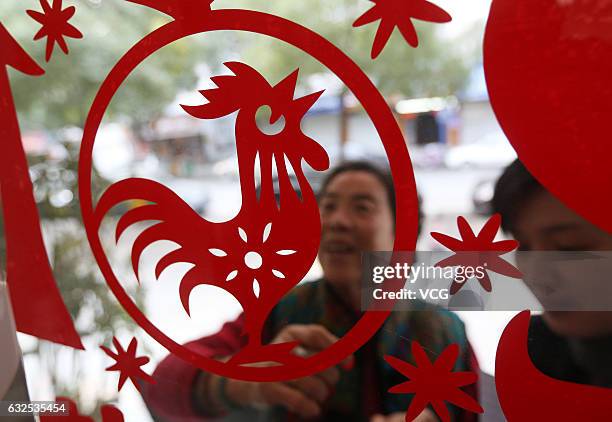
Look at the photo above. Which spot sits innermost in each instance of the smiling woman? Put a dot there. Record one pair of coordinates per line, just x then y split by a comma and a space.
357, 207
357, 210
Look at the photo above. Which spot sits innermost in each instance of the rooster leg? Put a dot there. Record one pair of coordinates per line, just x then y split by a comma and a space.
280, 353
256, 352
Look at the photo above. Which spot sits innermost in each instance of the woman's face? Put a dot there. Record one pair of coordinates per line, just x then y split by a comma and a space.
355, 217
545, 224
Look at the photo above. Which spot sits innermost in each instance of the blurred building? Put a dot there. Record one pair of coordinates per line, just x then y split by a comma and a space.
433, 128
184, 145
477, 118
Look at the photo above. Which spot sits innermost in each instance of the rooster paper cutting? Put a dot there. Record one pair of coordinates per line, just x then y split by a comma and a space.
255, 256
269, 246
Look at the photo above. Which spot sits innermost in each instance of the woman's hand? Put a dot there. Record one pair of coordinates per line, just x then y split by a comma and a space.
305, 396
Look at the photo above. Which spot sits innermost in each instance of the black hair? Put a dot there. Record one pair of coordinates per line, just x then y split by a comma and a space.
514, 187
381, 174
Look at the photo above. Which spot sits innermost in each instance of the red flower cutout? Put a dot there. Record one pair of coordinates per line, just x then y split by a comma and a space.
434, 383
128, 364
478, 250
392, 13
55, 25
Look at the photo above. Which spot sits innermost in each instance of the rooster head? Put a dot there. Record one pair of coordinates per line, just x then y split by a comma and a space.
248, 92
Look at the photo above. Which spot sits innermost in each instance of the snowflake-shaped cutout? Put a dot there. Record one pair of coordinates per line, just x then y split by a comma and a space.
398, 13
478, 250
253, 259
434, 383
55, 26
128, 364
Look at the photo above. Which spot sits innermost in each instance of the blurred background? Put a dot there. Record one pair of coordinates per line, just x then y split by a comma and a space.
437, 93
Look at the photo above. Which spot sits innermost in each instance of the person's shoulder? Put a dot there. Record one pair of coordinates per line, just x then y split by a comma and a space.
453, 325
551, 353
537, 326
303, 292
541, 338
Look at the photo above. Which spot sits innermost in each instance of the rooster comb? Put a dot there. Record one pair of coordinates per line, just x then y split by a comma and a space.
235, 91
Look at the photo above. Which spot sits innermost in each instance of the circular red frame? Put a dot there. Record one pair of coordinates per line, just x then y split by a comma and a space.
364, 90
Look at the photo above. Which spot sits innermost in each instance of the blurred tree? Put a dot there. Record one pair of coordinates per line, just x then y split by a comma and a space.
97, 314
438, 67
62, 97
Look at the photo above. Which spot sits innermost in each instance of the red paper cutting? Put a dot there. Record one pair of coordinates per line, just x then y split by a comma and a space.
548, 66
55, 26
526, 394
111, 414
37, 304
434, 383
259, 255
399, 13
128, 364
478, 250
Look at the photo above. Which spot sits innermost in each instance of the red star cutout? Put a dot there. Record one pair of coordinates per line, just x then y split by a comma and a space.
480, 250
128, 364
55, 25
434, 383
398, 13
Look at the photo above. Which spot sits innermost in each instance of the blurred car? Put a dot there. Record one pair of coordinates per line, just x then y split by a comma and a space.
493, 150
428, 156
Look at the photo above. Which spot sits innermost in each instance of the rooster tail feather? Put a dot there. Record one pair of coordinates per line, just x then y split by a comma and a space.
135, 188
188, 283
178, 255
144, 213
159, 231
